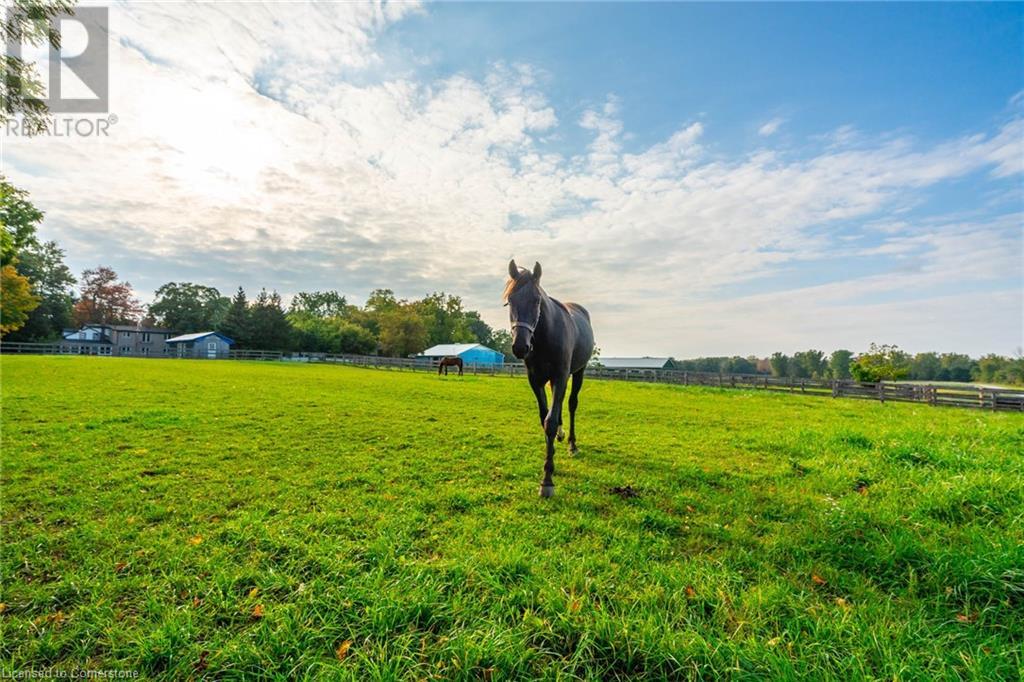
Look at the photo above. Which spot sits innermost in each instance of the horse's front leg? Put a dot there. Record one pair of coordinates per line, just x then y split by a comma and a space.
537, 384
552, 425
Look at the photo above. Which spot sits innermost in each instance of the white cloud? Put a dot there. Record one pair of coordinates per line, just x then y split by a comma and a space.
770, 127
268, 146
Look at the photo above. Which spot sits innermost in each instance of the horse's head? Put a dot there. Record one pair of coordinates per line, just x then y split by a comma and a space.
523, 297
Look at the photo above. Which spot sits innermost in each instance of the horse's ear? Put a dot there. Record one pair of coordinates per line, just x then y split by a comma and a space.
513, 269
536, 272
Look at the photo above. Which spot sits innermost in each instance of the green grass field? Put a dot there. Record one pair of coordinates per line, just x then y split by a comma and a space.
227, 520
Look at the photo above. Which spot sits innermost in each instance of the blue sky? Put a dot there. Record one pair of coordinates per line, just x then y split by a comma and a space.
935, 69
827, 174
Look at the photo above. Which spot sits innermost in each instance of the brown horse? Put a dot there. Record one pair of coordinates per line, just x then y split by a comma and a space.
450, 361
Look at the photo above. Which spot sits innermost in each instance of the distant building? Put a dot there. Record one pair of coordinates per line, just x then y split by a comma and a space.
116, 340
200, 345
471, 353
636, 363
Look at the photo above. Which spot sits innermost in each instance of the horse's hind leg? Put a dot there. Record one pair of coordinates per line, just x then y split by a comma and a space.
574, 400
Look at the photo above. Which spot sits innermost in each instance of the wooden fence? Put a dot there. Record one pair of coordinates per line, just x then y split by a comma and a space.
979, 397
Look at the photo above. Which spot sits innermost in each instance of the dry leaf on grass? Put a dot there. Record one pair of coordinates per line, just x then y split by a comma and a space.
818, 580
257, 611
690, 592
195, 539
253, 592
342, 651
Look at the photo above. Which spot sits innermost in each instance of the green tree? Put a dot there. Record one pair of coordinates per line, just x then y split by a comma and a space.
403, 332
501, 341
20, 220
955, 367
839, 364
331, 335
480, 330
925, 366
21, 93
51, 283
780, 364
809, 364
444, 319
186, 307
381, 301
737, 365
880, 363
270, 327
237, 322
319, 304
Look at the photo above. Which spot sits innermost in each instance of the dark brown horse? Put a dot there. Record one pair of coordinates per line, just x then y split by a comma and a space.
554, 340
450, 361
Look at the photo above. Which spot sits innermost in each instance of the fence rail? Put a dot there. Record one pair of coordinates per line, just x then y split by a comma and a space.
978, 397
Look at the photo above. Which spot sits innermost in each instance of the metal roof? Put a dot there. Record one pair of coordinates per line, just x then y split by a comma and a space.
453, 348
196, 336
633, 363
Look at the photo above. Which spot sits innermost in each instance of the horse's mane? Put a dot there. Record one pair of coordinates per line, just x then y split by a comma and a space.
512, 284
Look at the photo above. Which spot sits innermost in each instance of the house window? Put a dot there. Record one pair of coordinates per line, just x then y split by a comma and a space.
145, 337
145, 351
126, 335
105, 350
126, 350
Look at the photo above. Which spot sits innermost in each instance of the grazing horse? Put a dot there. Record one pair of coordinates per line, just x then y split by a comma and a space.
450, 361
554, 340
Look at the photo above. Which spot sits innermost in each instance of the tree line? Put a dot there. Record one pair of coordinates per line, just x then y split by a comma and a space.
878, 363
38, 301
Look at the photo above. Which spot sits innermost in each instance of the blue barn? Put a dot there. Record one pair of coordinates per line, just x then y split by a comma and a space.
471, 353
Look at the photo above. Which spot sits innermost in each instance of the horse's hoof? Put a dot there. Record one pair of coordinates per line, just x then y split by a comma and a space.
547, 490
573, 450
561, 434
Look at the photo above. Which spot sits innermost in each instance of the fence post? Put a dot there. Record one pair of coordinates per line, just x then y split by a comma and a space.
881, 391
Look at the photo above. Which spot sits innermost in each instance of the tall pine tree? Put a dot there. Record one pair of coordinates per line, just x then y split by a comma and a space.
237, 324
270, 327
